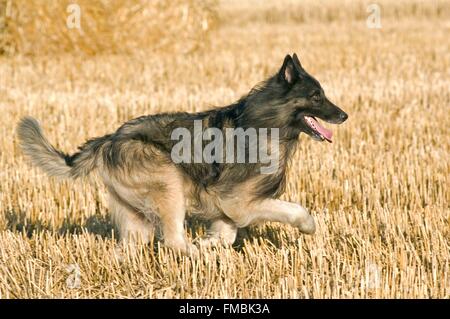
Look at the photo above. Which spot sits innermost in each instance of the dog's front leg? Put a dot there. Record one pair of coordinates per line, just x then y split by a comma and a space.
271, 210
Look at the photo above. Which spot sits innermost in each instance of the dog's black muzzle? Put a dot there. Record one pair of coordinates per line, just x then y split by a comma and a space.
331, 113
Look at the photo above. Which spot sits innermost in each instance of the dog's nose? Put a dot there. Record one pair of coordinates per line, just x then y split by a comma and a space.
343, 116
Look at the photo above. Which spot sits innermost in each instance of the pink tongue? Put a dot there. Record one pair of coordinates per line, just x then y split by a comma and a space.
327, 134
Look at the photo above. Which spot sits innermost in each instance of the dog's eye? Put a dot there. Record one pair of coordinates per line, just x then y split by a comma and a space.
317, 97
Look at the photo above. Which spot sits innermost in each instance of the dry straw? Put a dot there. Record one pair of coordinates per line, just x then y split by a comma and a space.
379, 193
328, 11
41, 26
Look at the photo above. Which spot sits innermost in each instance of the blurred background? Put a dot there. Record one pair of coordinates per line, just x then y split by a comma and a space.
37, 27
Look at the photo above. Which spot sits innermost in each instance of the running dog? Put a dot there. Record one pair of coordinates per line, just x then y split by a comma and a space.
146, 184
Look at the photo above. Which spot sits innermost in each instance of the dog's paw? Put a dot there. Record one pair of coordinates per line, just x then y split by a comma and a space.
192, 251
119, 254
186, 249
307, 225
208, 241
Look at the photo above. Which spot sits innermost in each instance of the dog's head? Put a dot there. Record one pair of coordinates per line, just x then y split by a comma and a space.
291, 100
306, 100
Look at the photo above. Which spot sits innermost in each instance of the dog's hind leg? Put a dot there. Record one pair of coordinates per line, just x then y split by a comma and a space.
171, 211
222, 231
166, 197
132, 225
269, 210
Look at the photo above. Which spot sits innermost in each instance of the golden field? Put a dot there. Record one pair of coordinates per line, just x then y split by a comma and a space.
379, 193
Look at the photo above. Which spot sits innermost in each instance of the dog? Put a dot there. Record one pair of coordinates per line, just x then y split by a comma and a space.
145, 183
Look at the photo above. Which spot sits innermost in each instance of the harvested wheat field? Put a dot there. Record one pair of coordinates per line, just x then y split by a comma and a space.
379, 193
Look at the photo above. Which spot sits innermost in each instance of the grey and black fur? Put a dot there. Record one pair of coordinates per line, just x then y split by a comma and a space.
143, 181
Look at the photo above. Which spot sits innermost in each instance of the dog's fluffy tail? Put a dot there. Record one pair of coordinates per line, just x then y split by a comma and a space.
54, 162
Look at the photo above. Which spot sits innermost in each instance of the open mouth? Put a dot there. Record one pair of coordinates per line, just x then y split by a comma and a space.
319, 130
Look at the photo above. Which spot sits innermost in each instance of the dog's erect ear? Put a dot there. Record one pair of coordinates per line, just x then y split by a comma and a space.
288, 71
297, 64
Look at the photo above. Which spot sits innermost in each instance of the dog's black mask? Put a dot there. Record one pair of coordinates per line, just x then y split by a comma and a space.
290, 100
306, 100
